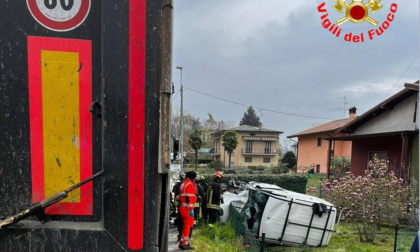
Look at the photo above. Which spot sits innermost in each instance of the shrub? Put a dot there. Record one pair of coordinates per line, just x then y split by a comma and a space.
252, 168
312, 191
291, 182
260, 168
413, 218
340, 166
204, 161
367, 201
280, 168
303, 169
217, 165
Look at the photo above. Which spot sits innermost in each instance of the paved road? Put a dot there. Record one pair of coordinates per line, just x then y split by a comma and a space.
172, 239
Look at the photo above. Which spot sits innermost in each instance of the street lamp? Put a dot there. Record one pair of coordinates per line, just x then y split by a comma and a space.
181, 138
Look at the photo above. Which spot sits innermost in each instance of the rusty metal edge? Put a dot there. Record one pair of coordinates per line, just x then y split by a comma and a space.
165, 87
165, 117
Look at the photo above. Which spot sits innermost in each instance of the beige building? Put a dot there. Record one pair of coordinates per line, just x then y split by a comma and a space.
256, 146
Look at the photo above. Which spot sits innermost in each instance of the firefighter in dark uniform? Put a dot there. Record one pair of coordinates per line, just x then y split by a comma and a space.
175, 190
201, 196
204, 186
214, 197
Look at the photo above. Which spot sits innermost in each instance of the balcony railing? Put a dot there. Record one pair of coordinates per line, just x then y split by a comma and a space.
263, 151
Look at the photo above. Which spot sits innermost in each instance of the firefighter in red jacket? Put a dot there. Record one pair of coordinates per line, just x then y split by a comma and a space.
187, 199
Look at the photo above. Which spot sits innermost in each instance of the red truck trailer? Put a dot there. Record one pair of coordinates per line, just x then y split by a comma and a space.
85, 87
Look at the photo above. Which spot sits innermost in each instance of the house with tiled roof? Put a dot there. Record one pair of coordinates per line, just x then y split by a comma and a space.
390, 131
256, 146
313, 151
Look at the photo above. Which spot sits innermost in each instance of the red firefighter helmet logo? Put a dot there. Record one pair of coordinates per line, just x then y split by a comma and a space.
357, 11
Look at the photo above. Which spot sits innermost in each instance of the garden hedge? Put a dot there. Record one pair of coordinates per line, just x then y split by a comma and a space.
291, 182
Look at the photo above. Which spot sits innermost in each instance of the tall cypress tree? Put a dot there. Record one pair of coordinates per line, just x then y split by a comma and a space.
250, 118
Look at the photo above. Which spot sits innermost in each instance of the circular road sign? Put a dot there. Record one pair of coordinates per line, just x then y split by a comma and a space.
59, 15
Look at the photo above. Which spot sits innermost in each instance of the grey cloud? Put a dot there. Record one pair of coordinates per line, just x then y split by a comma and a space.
297, 67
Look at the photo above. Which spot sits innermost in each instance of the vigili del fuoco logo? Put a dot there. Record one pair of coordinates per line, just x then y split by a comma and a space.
357, 12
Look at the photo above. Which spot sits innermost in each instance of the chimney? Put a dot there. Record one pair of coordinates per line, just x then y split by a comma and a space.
352, 112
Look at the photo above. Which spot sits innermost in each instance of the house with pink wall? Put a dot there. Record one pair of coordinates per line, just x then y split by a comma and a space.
313, 150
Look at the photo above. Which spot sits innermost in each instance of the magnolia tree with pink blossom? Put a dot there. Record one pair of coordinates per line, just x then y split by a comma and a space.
366, 201
312, 191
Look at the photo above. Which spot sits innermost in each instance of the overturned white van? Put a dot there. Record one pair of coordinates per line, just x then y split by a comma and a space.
285, 217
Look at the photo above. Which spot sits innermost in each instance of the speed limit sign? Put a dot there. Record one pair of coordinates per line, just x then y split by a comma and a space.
59, 15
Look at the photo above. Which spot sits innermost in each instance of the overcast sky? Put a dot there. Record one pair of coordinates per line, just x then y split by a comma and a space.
275, 54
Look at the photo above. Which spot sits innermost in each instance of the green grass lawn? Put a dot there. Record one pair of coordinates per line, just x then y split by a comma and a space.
216, 238
222, 238
314, 181
347, 239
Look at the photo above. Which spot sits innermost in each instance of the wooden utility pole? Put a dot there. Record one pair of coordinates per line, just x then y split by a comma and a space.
329, 159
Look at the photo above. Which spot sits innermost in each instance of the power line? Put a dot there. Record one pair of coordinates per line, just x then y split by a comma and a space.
402, 76
176, 94
263, 109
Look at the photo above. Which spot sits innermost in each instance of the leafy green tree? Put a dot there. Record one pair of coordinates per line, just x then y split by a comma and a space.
340, 166
250, 118
209, 126
210, 120
289, 159
191, 122
196, 143
230, 141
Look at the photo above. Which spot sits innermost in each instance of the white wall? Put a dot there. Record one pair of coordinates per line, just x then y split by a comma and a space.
400, 118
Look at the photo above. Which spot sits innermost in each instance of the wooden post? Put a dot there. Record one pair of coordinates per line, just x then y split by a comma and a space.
396, 238
297, 154
263, 243
404, 156
329, 159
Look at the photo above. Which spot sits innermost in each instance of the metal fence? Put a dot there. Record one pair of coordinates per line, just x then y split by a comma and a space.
239, 224
404, 239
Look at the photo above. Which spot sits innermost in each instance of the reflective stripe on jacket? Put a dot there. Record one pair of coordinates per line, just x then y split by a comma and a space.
214, 196
188, 194
197, 204
176, 201
211, 196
